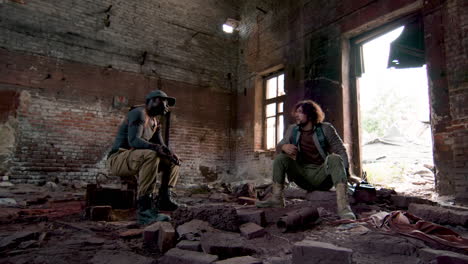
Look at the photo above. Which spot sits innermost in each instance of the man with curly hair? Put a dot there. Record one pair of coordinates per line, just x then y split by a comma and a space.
313, 156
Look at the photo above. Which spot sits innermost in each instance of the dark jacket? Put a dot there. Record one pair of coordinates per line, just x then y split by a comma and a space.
334, 142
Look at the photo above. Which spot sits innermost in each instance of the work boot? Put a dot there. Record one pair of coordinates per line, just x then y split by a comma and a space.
343, 208
277, 198
146, 214
165, 202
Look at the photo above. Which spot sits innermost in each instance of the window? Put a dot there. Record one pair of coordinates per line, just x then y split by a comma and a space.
273, 107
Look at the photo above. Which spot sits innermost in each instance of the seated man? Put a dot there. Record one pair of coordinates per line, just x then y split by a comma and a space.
313, 156
139, 151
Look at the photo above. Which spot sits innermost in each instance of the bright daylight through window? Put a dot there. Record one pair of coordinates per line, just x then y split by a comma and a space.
395, 129
274, 104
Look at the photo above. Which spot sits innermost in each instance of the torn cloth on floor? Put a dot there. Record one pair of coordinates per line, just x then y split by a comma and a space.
410, 225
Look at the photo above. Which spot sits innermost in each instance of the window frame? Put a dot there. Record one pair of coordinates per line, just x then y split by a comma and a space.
277, 100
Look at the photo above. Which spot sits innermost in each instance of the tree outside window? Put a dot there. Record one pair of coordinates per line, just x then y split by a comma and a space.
273, 107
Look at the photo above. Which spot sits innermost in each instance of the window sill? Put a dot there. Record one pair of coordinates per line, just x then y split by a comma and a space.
265, 153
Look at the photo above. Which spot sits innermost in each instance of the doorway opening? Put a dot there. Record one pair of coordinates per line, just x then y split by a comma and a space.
396, 140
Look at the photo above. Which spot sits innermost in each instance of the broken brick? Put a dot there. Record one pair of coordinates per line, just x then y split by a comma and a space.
180, 256
240, 260
252, 230
226, 244
220, 216
150, 234
189, 245
439, 215
306, 250
131, 233
192, 230
429, 255
160, 234
254, 216
166, 236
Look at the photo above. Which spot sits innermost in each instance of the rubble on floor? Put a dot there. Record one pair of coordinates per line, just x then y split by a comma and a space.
215, 224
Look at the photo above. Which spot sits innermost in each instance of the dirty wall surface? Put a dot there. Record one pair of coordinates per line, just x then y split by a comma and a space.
62, 63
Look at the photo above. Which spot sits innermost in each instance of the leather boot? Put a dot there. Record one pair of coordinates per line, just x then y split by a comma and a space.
343, 208
277, 198
146, 214
165, 202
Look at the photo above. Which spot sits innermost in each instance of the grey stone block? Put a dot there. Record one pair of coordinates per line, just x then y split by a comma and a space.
180, 256
189, 245
305, 251
240, 260
252, 230
226, 245
439, 215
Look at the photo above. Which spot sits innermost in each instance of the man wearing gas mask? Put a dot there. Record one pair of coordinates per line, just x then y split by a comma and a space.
139, 151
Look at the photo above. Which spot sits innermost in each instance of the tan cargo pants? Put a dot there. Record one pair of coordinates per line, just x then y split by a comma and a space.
144, 164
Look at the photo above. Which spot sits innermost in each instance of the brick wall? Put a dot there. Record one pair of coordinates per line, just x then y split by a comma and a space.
68, 59
307, 38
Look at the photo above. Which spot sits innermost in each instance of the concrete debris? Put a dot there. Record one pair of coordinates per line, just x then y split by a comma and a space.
245, 190
131, 233
8, 202
297, 219
180, 256
253, 215
403, 202
240, 260
113, 256
439, 215
429, 255
226, 245
303, 252
150, 234
220, 216
246, 200
280, 260
6, 184
189, 245
252, 230
166, 236
194, 229
17, 238
220, 197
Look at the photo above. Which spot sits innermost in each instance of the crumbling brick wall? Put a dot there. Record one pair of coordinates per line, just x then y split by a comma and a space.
307, 38
68, 59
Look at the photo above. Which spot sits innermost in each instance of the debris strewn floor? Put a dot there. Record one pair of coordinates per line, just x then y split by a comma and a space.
43, 225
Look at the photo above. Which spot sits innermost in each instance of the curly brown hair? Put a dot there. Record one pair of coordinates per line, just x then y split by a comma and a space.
313, 111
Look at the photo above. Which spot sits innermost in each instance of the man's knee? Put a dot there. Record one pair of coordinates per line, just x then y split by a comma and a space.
334, 159
281, 159
147, 154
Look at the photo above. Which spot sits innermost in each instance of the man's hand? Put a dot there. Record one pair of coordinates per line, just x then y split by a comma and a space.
352, 178
289, 149
164, 151
161, 150
176, 159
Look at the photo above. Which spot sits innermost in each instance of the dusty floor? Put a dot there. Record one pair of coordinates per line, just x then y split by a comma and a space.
45, 226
